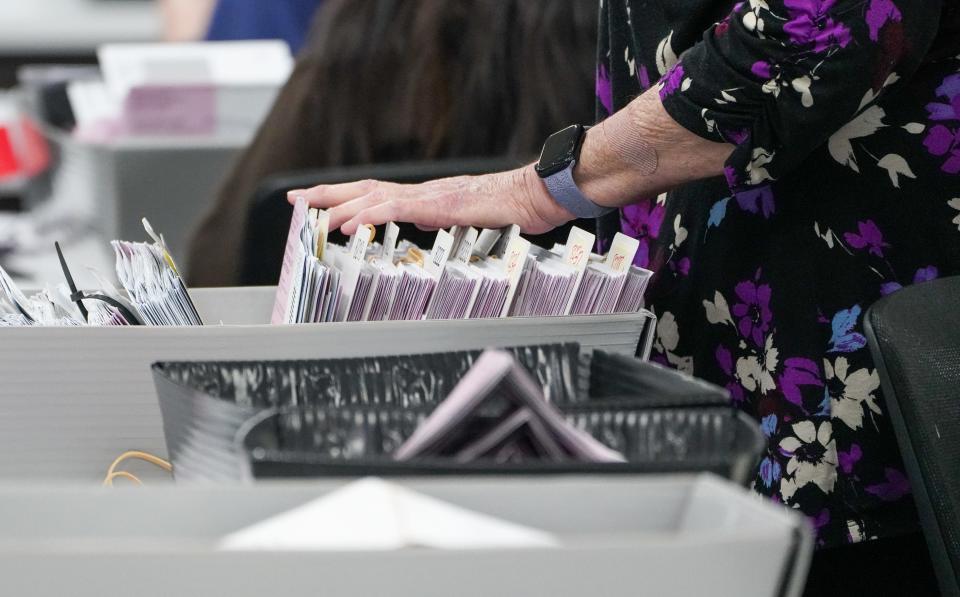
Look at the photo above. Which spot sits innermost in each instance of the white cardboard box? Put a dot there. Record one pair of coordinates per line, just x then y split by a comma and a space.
73, 399
668, 536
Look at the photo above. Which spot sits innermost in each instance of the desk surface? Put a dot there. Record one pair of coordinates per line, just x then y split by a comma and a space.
74, 26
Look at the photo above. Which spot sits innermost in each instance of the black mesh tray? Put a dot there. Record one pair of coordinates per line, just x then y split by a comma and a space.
231, 420
314, 442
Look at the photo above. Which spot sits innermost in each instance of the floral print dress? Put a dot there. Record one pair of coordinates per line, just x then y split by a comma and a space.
844, 186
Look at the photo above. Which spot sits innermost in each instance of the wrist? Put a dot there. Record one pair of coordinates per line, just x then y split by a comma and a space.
538, 200
600, 174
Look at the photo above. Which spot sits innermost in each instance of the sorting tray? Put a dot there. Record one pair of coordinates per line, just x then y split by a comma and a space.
75, 398
674, 536
228, 421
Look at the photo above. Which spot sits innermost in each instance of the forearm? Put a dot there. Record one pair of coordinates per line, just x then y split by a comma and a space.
640, 152
670, 156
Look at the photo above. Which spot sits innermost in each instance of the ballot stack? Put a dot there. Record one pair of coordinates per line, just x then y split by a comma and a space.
153, 293
467, 274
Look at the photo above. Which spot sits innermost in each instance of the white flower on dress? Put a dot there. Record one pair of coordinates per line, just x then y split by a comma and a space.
863, 125
668, 335
849, 391
755, 169
826, 237
955, 204
667, 340
752, 19
755, 374
813, 458
802, 86
666, 57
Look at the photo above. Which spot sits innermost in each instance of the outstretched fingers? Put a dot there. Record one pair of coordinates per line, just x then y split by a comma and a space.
331, 195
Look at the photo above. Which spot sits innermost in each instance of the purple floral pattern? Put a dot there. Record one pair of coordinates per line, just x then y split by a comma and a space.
868, 237
643, 220
753, 312
837, 193
943, 138
810, 24
673, 81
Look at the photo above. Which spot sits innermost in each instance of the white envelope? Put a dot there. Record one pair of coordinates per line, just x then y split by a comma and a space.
372, 514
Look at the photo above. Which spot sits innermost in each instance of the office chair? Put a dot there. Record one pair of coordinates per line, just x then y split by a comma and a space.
268, 220
914, 336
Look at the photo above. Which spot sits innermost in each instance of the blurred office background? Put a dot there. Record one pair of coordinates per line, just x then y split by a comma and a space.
115, 110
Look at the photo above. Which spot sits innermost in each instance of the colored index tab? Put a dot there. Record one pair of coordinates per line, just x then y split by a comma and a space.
485, 242
440, 254
509, 233
577, 255
465, 249
321, 227
622, 251
357, 250
514, 259
577, 251
390, 236
158, 238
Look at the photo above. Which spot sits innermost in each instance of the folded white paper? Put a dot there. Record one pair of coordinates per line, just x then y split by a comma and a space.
372, 514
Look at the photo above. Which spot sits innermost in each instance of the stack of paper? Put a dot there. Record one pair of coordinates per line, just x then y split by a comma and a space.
467, 274
631, 300
498, 412
153, 293
150, 277
491, 292
222, 88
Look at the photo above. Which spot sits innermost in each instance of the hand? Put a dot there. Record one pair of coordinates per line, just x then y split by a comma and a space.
488, 201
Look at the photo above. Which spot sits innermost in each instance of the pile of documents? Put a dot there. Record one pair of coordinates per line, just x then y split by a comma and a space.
498, 412
221, 88
153, 293
467, 274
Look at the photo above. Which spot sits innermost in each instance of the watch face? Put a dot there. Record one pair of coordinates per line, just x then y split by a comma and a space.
560, 149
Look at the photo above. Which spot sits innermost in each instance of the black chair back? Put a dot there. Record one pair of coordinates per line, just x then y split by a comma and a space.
914, 335
269, 218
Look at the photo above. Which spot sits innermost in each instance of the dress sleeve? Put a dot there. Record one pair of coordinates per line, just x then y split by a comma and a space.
777, 78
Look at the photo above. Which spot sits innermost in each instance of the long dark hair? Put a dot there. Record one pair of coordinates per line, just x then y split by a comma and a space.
448, 78
389, 80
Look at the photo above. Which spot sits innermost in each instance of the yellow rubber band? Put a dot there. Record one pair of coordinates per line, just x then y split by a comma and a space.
109, 480
414, 255
134, 455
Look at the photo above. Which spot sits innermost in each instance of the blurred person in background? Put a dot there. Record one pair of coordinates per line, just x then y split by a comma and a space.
225, 20
186, 20
288, 20
394, 80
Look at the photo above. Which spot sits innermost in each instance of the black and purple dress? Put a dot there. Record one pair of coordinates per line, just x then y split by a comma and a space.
844, 186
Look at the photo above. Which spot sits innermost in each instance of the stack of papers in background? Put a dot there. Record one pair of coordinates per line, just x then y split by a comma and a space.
467, 274
153, 294
212, 88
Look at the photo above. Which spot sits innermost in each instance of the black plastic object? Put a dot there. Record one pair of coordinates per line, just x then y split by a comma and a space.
228, 421
914, 335
355, 441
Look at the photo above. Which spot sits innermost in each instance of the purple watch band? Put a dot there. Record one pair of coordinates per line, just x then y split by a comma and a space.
564, 191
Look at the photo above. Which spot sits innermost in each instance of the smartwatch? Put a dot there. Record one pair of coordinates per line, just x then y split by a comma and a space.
557, 160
